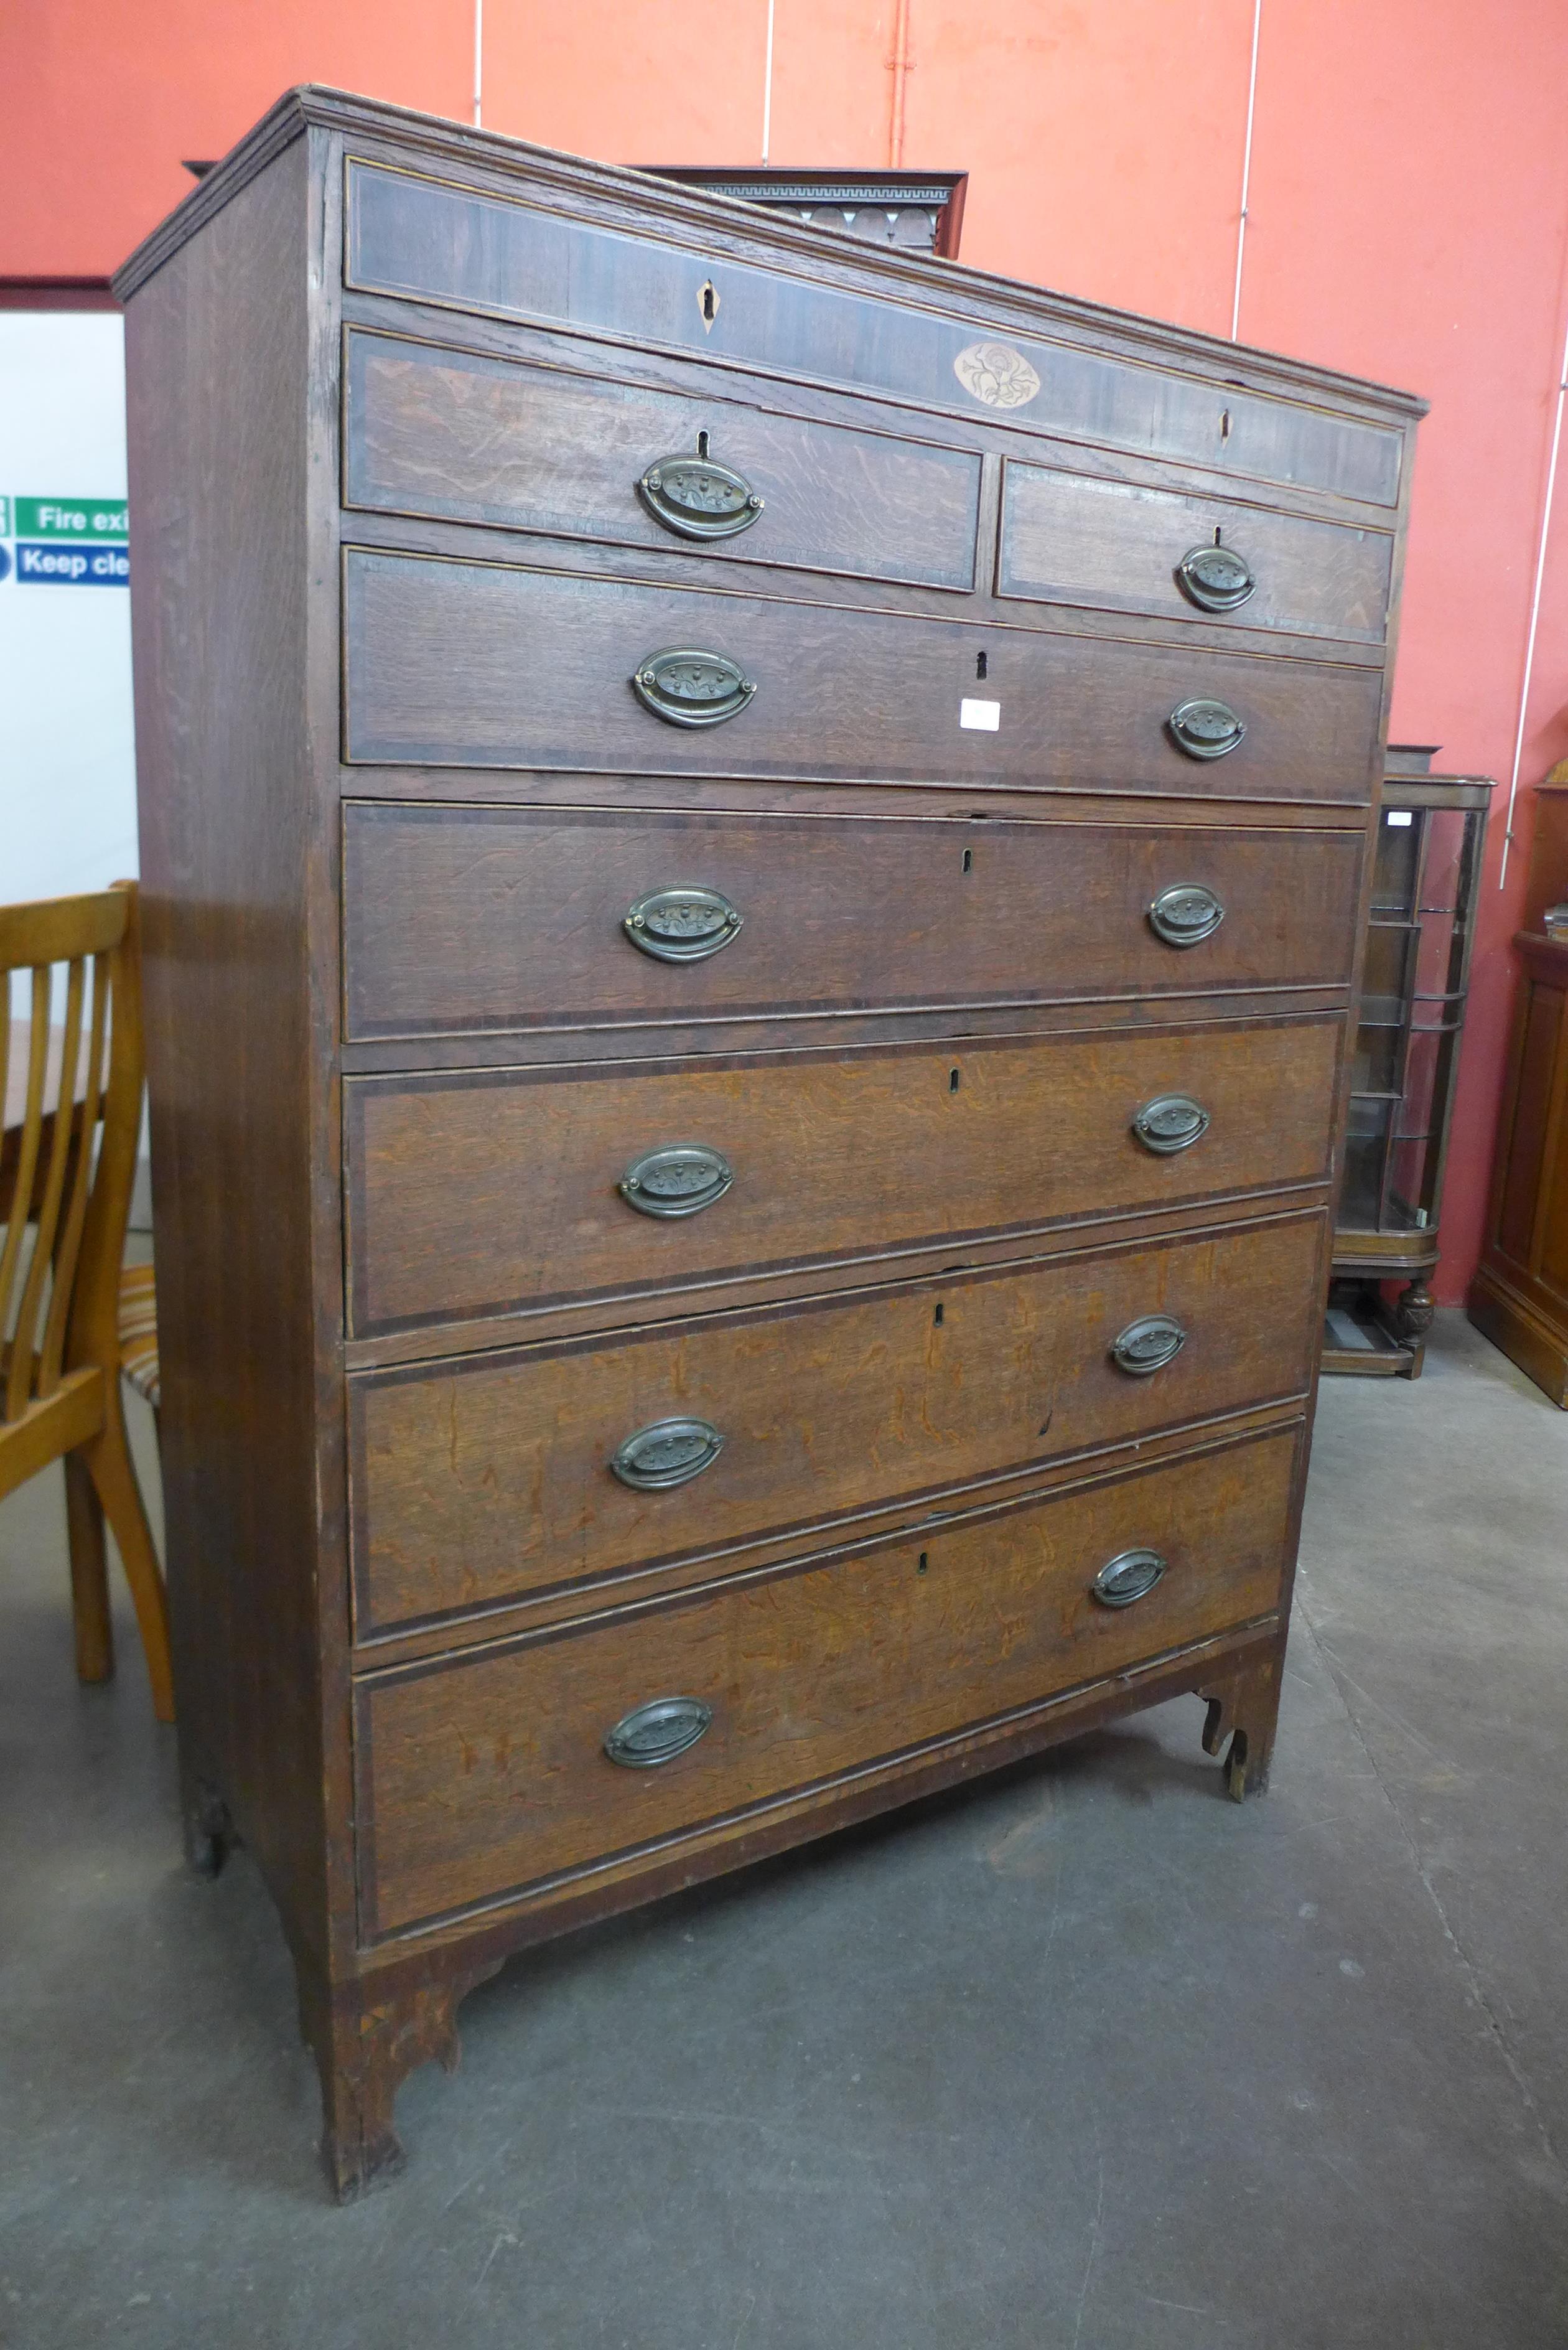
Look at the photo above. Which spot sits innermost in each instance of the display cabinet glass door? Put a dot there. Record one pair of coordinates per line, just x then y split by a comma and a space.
1412, 1011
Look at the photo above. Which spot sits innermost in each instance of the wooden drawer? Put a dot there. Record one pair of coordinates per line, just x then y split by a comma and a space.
468, 919
489, 1192
409, 235
1068, 538
481, 1778
450, 433
494, 665
479, 1483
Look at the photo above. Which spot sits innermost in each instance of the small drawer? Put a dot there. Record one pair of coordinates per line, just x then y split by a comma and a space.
497, 665
1069, 538
453, 434
467, 920
482, 1778
1029, 365
494, 1192
480, 1482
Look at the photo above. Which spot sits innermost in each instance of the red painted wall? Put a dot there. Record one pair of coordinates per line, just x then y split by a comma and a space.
1408, 220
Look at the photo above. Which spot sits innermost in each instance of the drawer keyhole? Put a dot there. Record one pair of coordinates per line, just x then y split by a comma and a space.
952, 1081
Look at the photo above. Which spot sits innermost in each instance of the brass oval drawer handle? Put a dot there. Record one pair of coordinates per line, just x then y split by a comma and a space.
1149, 1344
698, 499
687, 686
667, 1453
1215, 578
681, 925
657, 1732
1205, 729
1186, 914
679, 1178
1173, 1122
1130, 1576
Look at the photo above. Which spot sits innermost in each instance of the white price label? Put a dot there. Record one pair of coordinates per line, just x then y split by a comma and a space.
985, 717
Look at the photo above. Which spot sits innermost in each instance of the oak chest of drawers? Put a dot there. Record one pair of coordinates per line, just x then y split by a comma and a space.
753, 858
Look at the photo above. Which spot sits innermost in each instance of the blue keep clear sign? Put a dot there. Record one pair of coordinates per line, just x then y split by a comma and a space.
37, 563
67, 542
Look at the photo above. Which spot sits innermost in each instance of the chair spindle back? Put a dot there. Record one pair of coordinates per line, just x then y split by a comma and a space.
60, 1181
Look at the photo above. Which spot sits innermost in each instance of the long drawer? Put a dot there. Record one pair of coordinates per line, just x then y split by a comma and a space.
410, 236
476, 1483
486, 1192
480, 1778
499, 665
467, 919
451, 433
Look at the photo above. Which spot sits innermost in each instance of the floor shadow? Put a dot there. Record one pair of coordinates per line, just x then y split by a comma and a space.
1126, 1760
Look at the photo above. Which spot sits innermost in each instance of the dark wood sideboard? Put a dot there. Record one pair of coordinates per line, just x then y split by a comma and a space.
755, 859
1519, 1295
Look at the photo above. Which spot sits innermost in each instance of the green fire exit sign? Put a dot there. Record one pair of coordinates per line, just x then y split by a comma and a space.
84, 520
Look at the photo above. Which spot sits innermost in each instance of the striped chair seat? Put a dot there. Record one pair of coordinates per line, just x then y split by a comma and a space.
138, 1330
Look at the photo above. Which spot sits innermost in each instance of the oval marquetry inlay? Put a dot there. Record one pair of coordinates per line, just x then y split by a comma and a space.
997, 374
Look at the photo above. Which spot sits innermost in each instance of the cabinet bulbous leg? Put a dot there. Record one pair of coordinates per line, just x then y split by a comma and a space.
1415, 1310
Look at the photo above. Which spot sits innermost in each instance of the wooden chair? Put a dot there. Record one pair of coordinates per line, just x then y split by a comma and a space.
60, 1353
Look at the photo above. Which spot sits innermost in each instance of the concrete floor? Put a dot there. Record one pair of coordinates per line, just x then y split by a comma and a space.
1084, 2058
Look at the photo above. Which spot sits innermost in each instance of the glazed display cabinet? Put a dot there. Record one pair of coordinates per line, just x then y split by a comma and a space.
1431, 835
